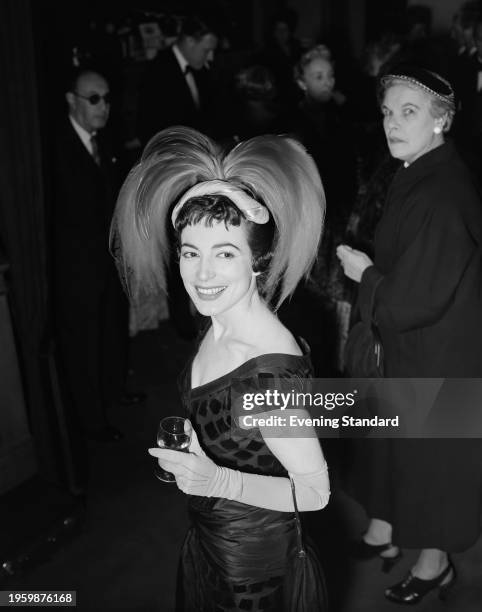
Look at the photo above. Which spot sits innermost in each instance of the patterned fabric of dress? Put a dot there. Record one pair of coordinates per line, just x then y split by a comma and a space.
235, 556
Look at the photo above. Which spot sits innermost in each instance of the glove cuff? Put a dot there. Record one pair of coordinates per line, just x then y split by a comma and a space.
225, 483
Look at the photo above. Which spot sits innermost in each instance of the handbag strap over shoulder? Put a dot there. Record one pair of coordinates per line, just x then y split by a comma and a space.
299, 535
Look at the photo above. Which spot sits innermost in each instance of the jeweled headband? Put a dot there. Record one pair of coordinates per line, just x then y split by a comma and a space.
429, 81
253, 210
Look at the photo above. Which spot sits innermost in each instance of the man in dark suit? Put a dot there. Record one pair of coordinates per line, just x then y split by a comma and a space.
176, 90
90, 309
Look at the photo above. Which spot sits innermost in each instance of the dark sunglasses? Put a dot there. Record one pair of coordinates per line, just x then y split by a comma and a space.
94, 99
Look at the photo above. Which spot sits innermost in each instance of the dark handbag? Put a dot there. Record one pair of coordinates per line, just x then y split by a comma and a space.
304, 588
363, 349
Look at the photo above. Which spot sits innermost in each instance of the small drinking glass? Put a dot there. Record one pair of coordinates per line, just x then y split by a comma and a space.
174, 433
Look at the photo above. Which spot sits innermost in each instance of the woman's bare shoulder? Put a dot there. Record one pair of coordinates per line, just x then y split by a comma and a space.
276, 338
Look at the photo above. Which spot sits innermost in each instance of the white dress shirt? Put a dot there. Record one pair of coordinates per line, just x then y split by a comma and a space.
191, 83
83, 134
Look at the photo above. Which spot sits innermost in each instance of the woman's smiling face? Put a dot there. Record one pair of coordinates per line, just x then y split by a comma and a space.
216, 266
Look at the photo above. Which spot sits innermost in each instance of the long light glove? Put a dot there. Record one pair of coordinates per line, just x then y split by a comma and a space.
197, 474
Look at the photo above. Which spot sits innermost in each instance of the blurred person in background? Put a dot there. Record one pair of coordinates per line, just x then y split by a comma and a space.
90, 309
323, 127
256, 109
280, 54
462, 31
376, 57
469, 123
176, 88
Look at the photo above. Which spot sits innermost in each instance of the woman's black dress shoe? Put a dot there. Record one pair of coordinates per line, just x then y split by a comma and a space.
364, 551
412, 590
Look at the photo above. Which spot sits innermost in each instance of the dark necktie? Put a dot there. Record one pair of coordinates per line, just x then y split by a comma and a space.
95, 149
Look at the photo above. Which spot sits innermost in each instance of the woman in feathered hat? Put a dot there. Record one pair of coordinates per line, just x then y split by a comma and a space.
248, 226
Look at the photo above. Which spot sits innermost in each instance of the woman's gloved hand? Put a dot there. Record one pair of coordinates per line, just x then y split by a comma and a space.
194, 471
197, 474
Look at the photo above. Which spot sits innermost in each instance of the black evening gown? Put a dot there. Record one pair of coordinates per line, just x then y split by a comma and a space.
235, 555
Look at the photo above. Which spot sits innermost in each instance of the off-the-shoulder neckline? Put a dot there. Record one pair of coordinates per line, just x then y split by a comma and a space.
238, 371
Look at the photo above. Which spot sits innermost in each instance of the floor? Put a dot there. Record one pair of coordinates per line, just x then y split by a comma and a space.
125, 558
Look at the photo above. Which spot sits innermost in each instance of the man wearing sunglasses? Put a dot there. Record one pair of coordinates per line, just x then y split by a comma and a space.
89, 104
90, 309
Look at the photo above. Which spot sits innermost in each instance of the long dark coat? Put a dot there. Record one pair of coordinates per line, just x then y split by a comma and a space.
428, 309
90, 308
428, 306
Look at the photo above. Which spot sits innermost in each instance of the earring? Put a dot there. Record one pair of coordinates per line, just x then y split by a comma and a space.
437, 129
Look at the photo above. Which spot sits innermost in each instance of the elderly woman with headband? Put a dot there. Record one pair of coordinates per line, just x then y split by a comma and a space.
426, 285
248, 226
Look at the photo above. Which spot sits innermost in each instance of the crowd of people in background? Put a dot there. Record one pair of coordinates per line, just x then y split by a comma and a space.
198, 78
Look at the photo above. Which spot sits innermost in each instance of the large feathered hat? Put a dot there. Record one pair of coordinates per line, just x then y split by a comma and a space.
275, 171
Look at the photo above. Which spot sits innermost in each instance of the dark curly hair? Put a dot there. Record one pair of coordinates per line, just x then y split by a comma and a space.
219, 208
